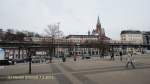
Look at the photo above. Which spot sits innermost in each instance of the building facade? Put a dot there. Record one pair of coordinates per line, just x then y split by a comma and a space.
81, 38
132, 36
146, 37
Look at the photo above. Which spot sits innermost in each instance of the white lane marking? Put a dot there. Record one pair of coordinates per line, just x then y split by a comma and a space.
1, 67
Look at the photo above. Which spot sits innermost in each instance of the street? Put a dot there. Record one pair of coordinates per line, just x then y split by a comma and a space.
88, 71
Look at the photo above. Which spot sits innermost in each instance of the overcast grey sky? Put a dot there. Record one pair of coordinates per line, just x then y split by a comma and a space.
76, 16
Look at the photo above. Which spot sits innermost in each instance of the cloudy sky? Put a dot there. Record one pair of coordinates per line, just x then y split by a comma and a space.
76, 16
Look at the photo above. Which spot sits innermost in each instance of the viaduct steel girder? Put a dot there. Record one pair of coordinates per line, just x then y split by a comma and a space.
65, 45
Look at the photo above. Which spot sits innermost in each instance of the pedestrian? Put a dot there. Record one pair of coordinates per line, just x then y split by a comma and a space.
75, 57
102, 55
50, 61
64, 57
112, 56
130, 60
120, 53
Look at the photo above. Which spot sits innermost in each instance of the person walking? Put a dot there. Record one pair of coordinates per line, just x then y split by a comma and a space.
102, 55
120, 53
75, 57
63, 58
130, 60
112, 56
50, 60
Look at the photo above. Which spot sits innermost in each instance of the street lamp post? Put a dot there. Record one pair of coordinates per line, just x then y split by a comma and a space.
30, 59
78, 47
52, 49
58, 40
75, 53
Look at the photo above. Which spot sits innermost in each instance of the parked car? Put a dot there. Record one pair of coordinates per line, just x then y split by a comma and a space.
35, 60
87, 56
4, 62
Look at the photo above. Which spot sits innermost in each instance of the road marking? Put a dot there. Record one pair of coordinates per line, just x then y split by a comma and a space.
2, 67
69, 75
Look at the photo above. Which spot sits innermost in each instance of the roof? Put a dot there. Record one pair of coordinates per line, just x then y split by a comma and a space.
131, 32
81, 36
146, 32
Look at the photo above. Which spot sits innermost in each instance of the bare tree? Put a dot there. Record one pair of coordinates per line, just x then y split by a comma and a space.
53, 31
9, 35
20, 36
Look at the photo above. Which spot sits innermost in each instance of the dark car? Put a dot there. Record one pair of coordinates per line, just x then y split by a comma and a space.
4, 62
